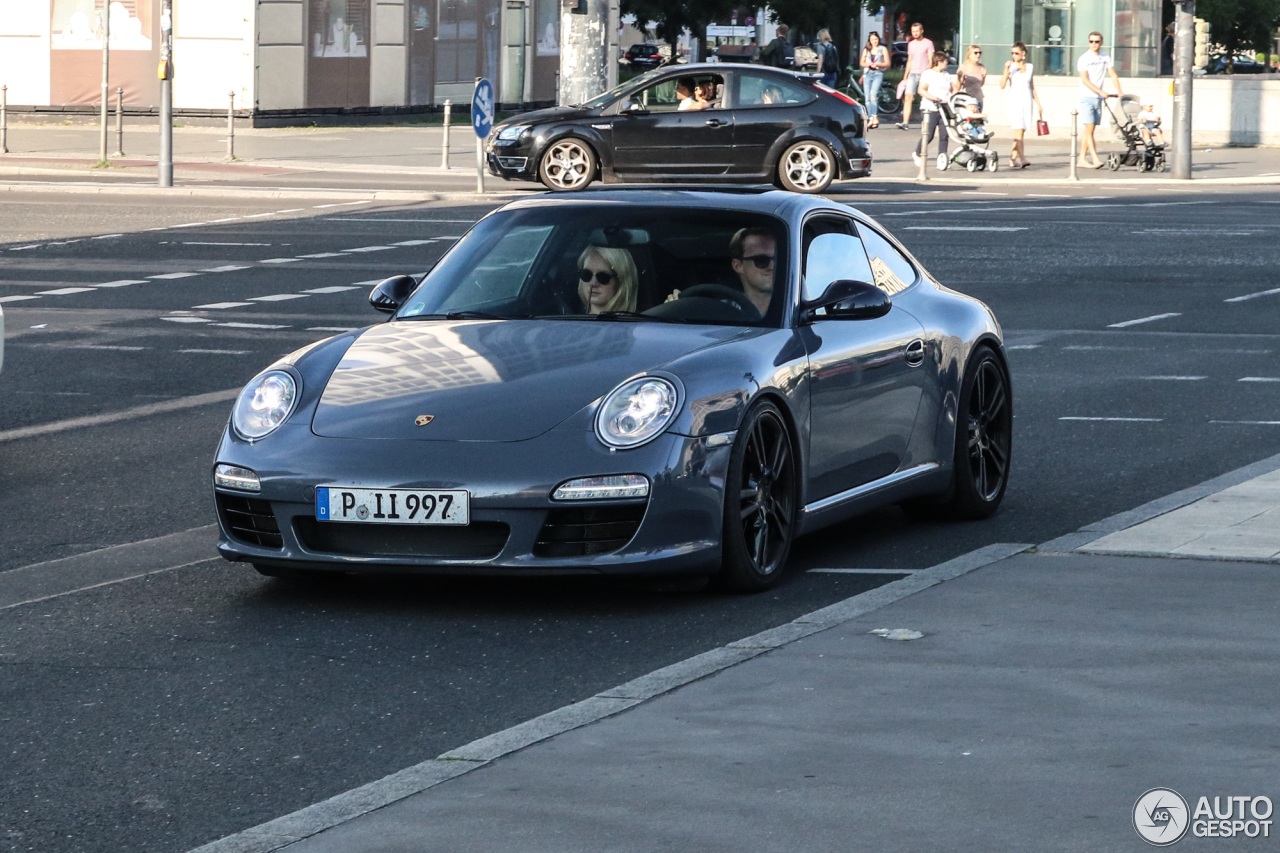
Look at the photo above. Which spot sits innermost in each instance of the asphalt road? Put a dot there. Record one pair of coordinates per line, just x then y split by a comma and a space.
158, 714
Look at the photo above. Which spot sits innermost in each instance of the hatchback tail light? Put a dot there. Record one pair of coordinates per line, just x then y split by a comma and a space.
841, 95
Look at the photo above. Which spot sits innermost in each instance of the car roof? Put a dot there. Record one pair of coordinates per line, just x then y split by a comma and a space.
761, 199
722, 67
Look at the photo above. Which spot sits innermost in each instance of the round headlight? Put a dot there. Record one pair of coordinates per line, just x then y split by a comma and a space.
264, 404
636, 412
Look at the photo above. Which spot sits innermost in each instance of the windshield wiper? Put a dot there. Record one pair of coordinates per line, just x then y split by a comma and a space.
457, 315
636, 315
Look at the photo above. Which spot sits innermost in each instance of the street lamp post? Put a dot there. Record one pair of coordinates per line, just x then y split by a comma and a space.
106, 70
1184, 49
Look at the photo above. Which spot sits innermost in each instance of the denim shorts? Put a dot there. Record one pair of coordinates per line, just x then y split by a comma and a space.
913, 84
1091, 110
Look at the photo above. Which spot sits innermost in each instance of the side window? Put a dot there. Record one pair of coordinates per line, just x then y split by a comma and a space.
892, 272
659, 98
832, 253
759, 90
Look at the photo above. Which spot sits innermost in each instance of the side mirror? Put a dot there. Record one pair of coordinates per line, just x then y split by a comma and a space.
391, 293
848, 300
633, 108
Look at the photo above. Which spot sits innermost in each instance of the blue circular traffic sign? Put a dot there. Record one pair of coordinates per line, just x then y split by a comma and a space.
482, 108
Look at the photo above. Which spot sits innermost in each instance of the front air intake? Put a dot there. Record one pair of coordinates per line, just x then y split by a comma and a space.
580, 531
251, 520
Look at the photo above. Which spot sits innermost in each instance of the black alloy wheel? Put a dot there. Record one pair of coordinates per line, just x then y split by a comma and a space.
760, 502
984, 437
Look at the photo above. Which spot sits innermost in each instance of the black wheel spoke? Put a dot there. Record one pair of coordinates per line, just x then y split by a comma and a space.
998, 457
762, 540
757, 442
780, 451
780, 519
751, 510
996, 404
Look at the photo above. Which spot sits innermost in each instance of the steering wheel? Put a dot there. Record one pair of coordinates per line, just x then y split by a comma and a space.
723, 294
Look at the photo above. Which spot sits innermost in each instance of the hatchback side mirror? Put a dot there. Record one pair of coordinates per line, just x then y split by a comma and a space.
848, 300
391, 293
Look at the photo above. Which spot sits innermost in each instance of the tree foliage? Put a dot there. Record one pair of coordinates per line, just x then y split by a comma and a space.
1241, 25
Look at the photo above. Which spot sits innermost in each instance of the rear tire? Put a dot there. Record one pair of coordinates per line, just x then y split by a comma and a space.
568, 165
807, 167
761, 499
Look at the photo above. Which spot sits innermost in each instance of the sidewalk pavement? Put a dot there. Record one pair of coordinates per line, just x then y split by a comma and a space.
408, 158
1049, 690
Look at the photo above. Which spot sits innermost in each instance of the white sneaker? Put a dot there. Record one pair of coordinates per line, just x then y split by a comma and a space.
916, 158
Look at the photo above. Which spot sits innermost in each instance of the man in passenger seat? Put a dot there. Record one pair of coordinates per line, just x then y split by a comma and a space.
752, 252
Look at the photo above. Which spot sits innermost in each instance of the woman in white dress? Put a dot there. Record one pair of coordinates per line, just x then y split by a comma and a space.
1020, 101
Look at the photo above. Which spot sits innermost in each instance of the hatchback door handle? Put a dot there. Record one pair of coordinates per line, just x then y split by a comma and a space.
714, 122
915, 353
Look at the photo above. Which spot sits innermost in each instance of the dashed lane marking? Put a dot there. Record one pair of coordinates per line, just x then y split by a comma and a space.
172, 275
1117, 420
218, 306
1249, 423
280, 261
247, 325
214, 351
63, 291
963, 228
862, 571
1249, 296
278, 297
370, 249
124, 282
332, 329
337, 288
17, 298
1174, 378
1259, 379
227, 268
1150, 319
323, 255
185, 319
106, 236
208, 243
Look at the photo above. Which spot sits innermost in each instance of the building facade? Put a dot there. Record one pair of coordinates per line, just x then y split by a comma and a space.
1056, 32
283, 56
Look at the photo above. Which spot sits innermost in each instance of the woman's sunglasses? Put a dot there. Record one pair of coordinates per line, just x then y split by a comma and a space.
762, 262
601, 277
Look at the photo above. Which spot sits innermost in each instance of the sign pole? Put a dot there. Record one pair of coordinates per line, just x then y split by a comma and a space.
166, 94
481, 123
106, 69
1184, 49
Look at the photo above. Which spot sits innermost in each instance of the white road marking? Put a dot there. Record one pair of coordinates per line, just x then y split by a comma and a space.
63, 291
214, 351
1249, 423
24, 248
206, 243
1117, 420
64, 242
217, 306
1198, 232
962, 228
1249, 296
337, 288
279, 261
370, 249
228, 219
124, 282
863, 571
185, 319
1143, 320
1046, 195
278, 297
1174, 378
976, 192
323, 206
330, 329
108, 347
291, 210
1025, 346
106, 236
1259, 379
123, 415
251, 326
227, 268
170, 275
17, 298
189, 225
416, 221
412, 243
323, 255
259, 215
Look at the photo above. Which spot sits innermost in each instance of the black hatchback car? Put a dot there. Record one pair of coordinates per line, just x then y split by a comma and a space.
644, 56
752, 124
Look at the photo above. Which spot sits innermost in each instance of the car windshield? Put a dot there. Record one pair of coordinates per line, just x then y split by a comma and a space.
609, 262
619, 91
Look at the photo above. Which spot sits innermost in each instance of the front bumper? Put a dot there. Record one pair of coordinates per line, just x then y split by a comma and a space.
679, 527
511, 159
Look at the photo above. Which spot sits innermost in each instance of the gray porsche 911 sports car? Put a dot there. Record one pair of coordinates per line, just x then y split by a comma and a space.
623, 382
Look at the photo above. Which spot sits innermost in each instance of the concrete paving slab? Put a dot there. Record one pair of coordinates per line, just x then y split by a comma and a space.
1048, 693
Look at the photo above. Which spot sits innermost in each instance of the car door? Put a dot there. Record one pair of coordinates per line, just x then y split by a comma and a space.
765, 107
664, 141
864, 378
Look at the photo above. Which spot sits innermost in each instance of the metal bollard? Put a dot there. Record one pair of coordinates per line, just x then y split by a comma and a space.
444, 151
1071, 175
231, 126
924, 146
119, 122
4, 119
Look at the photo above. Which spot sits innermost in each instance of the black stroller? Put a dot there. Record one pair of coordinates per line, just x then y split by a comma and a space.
1139, 153
970, 134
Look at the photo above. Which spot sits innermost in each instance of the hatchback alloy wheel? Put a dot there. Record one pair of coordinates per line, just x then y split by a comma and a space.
807, 167
568, 165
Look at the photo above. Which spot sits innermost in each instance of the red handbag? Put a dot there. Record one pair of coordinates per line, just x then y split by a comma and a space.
1042, 128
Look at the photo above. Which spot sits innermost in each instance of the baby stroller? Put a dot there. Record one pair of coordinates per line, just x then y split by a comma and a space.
1146, 156
970, 134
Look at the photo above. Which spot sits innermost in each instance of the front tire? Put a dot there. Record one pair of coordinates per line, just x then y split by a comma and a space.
984, 438
568, 165
807, 167
760, 502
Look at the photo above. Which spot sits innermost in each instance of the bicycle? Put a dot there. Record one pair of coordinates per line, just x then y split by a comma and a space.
886, 102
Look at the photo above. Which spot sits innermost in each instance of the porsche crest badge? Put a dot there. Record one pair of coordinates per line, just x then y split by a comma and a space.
423, 420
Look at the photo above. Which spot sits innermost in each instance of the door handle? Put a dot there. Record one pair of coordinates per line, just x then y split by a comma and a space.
915, 353
714, 122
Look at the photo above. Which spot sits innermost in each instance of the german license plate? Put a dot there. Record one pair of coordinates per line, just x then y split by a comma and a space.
393, 506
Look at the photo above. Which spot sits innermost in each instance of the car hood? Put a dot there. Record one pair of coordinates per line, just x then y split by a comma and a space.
490, 380
548, 115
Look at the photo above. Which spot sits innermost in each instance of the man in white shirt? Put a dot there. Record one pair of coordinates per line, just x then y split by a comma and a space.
935, 87
1094, 66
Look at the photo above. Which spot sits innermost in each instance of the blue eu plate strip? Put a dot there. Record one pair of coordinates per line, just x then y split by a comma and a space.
322, 504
